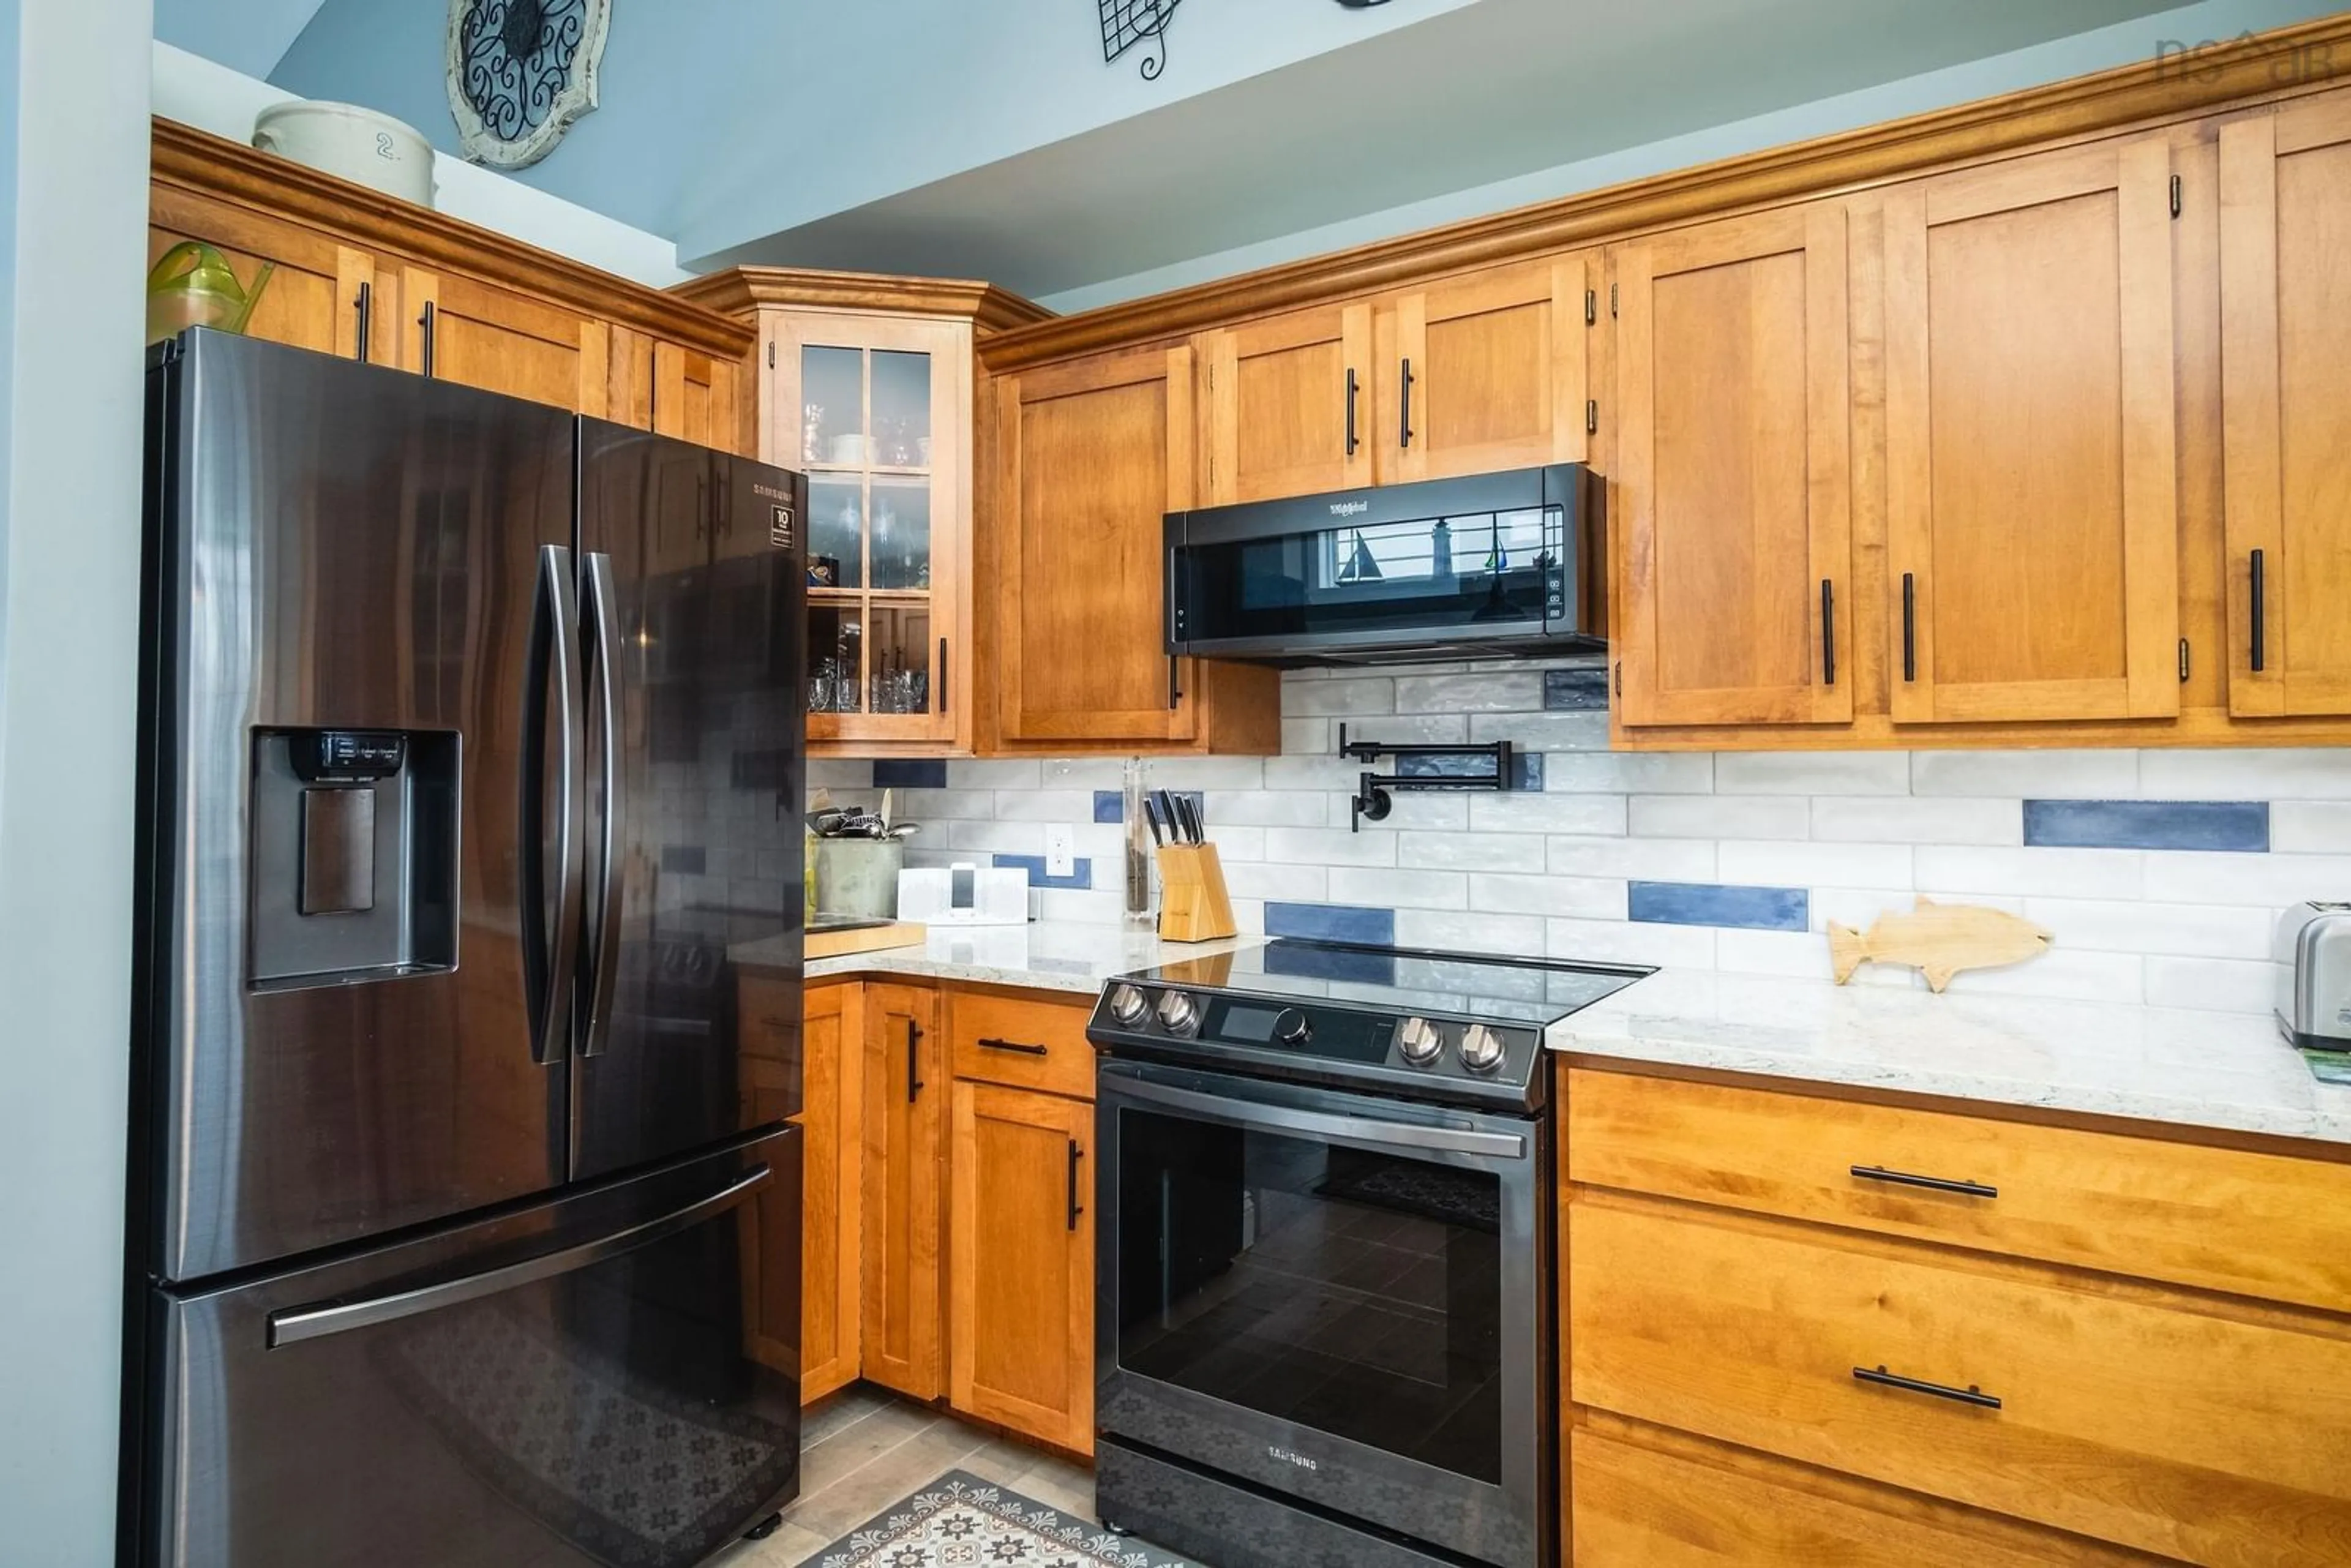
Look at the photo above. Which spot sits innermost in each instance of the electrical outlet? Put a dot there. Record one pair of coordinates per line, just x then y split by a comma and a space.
1061, 850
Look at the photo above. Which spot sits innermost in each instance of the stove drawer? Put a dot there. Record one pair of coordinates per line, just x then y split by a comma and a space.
2176, 1427
1022, 1043
2267, 1225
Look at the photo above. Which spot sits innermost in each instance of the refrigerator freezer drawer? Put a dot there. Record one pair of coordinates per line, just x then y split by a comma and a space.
606, 1378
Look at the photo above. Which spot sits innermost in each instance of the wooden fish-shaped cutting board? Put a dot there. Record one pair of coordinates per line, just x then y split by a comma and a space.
1941, 940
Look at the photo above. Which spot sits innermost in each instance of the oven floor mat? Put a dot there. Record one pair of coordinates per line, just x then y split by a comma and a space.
960, 1520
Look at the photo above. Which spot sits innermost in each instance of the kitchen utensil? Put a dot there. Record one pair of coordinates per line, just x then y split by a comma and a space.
1195, 905
1151, 815
1189, 815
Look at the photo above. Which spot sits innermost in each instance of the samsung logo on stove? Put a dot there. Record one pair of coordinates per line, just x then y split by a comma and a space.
1287, 1458
1350, 509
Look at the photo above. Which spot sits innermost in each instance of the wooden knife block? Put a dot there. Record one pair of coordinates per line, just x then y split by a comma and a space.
1192, 904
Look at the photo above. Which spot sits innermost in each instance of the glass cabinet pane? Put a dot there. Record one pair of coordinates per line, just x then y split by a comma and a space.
836, 663
900, 671
836, 532
900, 537
901, 409
832, 412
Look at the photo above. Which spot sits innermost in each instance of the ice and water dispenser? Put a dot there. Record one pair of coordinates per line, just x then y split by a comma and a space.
354, 849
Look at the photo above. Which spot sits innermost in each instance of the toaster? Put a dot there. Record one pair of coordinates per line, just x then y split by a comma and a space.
2313, 975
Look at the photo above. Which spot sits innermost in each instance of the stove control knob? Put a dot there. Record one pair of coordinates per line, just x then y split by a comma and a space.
1420, 1042
1293, 1028
1482, 1049
1128, 1005
1179, 1012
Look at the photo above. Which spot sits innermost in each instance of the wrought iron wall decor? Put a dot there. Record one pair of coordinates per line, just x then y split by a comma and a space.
1127, 23
520, 72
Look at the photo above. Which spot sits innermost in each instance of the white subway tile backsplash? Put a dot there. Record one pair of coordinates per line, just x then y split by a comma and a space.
2311, 827
2076, 975
1330, 846
1813, 773
1044, 806
1399, 889
1518, 691
1952, 820
1006, 773
2083, 873
1283, 884
1267, 809
1568, 897
1469, 851
2211, 984
1207, 772
2184, 930
1514, 935
1306, 737
2270, 881
1802, 954
1615, 942
1630, 772
2309, 774
1637, 860
1771, 864
1541, 731
1088, 773
993, 838
1325, 773
1237, 841
2027, 775
1520, 812
1350, 696
1431, 813
1722, 817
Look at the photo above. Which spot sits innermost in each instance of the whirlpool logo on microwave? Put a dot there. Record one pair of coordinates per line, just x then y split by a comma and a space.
1350, 509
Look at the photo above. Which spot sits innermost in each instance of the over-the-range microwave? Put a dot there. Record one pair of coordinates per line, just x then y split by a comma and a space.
1480, 567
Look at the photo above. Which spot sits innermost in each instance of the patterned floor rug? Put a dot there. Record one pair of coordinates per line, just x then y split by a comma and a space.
962, 1521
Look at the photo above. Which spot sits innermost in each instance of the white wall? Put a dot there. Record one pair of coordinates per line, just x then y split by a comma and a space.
75, 108
2103, 49
196, 92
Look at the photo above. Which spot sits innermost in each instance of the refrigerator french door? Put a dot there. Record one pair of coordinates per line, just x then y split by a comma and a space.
461, 799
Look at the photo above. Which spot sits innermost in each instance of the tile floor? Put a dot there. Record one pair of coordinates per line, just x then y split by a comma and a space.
862, 1450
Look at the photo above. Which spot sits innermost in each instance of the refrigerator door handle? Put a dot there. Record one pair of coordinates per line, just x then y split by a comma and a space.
296, 1324
549, 960
602, 603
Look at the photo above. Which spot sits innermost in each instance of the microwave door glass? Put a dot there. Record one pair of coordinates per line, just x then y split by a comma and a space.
1492, 570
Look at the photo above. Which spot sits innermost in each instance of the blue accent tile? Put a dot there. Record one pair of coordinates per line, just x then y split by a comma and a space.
919, 774
1331, 964
1332, 922
685, 860
1109, 806
1527, 770
1576, 691
2240, 825
1082, 874
1713, 903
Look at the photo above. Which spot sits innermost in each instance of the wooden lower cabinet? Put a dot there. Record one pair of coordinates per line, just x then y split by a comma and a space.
904, 1189
831, 1181
1650, 1498
1021, 1262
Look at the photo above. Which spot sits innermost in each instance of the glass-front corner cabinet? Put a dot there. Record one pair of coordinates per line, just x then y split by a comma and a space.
865, 385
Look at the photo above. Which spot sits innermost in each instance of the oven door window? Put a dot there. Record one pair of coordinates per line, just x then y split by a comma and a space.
1358, 1294
1502, 571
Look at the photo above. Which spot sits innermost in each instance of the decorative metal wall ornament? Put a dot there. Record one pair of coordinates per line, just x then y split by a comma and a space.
520, 72
1126, 23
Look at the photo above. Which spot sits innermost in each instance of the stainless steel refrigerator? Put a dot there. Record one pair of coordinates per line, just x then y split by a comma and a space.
465, 1221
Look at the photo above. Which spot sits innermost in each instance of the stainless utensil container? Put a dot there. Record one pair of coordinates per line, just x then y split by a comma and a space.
858, 877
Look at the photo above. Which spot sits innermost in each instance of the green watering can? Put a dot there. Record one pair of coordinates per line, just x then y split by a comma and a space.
193, 286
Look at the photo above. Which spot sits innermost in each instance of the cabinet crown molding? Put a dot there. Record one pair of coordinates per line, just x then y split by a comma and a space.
2168, 87
215, 166
741, 291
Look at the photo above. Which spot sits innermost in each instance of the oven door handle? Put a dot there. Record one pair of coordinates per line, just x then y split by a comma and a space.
1321, 1123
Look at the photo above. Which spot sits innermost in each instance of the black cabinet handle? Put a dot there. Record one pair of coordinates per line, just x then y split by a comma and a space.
1352, 383
2261, 613
943, 675
431, 322
1909, 627
1931, 1183
367, 319
913, 1068
1076, 1208
1828, 633
1970, 1394
1174, 684
1022, 1047
1403, 436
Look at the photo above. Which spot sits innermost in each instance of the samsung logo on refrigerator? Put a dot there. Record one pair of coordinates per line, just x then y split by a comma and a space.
1350, 509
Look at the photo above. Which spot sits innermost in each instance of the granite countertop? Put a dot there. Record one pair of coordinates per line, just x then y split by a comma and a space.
2229, 1071
1045, 955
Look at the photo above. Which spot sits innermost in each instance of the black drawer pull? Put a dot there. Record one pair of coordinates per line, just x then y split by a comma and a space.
1021, 1046
1076, 1208
913, 1068
2261, 613
1828, 633
1932, 1183
1970, 1394
1352, 385
367, 319
1909, 626
1404, 435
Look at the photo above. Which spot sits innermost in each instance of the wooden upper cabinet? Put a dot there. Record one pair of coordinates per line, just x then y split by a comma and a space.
2286, 323
1734, 474
479, 335
321, 290
1288, 410
1485, 373
2032, 494
1090, 457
